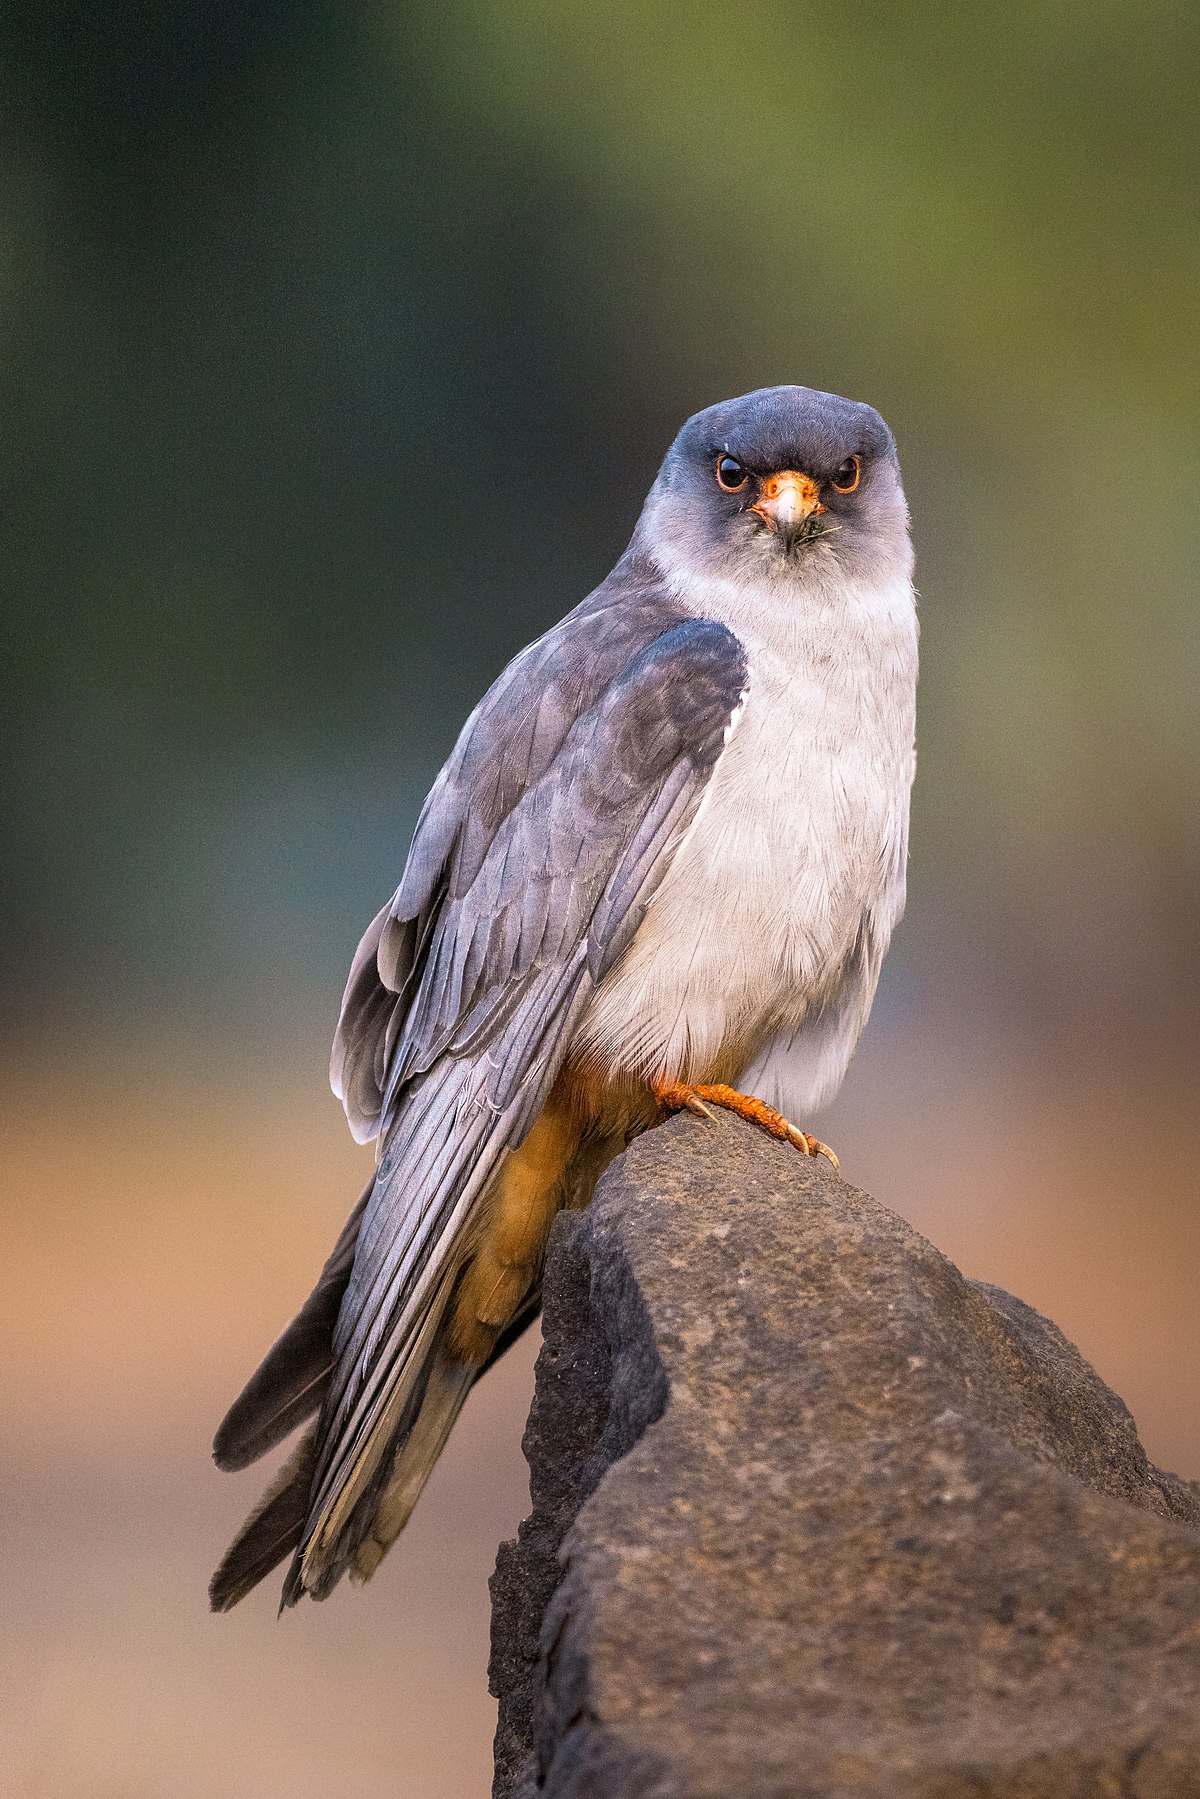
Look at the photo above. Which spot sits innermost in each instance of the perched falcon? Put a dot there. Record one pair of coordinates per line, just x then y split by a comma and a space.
662, 863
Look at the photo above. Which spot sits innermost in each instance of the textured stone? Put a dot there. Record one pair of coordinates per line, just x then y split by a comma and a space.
833, 1519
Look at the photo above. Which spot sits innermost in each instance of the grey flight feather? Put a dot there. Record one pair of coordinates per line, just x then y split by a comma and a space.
507, 747
538, 850
289, 1383
269, 1533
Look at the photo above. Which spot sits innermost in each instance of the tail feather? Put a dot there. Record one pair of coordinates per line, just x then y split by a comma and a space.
289, 1384
447, 1387
271, 1531
371, 1345
333, 1534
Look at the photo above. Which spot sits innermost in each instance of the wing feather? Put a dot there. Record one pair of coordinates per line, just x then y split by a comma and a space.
535, 858
290, 1382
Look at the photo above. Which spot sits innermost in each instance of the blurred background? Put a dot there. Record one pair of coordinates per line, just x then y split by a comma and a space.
281, 286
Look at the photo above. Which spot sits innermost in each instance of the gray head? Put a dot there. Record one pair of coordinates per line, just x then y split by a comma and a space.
783, 484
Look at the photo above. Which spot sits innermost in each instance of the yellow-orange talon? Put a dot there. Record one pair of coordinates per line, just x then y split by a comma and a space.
675, 1096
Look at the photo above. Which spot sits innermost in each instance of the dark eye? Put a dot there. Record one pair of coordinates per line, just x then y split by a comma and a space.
731, 475
845, 479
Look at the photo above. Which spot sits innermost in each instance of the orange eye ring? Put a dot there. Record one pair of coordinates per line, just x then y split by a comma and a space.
851, 467
731, 476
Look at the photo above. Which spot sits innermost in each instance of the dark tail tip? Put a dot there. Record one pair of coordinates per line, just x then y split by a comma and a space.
272, 1531
282, 1393
290, 1383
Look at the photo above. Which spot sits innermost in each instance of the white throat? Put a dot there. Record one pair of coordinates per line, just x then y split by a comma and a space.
810, 613
772, 921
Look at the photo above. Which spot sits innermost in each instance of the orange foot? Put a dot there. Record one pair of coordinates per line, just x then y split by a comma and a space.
673, 1096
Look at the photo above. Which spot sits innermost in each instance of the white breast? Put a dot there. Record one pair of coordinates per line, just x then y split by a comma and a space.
800, 842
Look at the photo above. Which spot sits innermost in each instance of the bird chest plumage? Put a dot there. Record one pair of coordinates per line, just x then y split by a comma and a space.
799, 844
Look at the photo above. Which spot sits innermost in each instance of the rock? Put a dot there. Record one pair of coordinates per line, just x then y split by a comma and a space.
834, 1520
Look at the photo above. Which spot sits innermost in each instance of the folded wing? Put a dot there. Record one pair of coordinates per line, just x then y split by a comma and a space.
537, 853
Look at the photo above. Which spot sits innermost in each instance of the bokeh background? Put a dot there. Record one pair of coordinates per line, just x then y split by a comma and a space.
339, 346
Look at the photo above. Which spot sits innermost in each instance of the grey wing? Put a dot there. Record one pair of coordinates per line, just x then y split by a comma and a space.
508, 746
461, 1001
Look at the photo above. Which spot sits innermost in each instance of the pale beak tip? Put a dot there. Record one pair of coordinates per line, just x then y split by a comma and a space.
787, 501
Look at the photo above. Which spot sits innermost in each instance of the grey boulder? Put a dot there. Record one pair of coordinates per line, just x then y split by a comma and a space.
814, 1515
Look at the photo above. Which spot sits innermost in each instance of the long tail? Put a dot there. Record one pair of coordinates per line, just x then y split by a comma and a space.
287, 1387
290, 1382
432, 1277
270, 1533
445, 1386
274, 1528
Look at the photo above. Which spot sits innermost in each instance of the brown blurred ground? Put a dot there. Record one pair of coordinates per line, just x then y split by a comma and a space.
153, 1242
159, 1227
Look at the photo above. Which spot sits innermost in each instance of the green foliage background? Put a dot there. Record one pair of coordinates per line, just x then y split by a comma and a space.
342, 342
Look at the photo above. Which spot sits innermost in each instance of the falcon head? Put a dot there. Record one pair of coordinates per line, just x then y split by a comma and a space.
783, 484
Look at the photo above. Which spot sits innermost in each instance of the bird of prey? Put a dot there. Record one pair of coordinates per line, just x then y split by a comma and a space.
659, 870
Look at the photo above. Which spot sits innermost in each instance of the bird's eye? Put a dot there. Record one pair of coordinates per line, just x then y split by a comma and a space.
845, 478
731, 475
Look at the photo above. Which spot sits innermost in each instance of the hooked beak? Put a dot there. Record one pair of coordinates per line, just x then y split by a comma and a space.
786, 502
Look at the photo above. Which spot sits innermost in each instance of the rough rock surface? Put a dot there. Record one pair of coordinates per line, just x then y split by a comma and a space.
833, 1519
